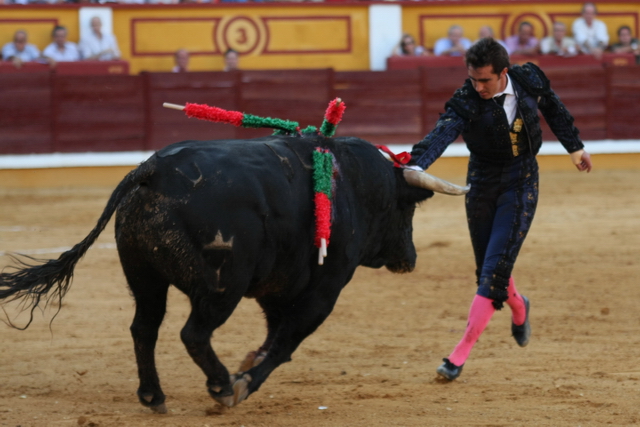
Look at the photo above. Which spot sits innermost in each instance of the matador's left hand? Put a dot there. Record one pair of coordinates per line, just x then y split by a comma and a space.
582, 160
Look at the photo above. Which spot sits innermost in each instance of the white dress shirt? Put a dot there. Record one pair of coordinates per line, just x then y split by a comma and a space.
30, 52
509, 101
445, 44
91, 45
590, 37
68, 54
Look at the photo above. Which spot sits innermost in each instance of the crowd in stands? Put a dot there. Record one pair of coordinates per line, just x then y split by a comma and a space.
127, 1
181, 59
96, 45
408, 47
589, 36
115, 1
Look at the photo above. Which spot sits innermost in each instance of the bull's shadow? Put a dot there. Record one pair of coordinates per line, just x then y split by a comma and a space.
222, 220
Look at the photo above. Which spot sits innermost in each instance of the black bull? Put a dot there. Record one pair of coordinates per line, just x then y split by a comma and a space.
222, 220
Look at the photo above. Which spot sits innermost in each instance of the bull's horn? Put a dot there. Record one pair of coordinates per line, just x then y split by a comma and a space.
430, 182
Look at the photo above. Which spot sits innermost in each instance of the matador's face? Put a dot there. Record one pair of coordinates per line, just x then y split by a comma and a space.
486, 82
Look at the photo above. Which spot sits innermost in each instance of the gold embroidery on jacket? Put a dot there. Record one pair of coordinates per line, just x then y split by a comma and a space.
517, 127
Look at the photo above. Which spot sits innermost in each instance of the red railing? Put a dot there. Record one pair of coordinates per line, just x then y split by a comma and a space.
79, 68
43, 111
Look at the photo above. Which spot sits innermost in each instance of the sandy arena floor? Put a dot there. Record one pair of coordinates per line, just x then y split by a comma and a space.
372, 363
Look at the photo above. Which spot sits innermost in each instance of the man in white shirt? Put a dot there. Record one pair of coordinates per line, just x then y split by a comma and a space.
590, 33
61, 50
98, 45
558, 43
452, 45
19, 51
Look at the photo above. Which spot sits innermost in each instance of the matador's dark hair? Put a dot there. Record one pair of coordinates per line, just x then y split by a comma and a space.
485, 52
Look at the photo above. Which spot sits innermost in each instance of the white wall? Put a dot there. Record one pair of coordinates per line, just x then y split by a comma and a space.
385, 30
86, 13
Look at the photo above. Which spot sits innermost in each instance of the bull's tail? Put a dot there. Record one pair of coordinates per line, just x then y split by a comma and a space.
31, 283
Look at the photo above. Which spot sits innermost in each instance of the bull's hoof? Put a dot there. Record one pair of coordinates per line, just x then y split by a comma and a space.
219, 392
153, 402
240, 391
253, 358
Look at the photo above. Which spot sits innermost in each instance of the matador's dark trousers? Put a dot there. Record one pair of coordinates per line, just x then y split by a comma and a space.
500, 208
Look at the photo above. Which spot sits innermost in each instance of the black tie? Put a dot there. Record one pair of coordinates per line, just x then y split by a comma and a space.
500, 99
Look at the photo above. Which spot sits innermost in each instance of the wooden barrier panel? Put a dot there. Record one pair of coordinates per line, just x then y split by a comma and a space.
297, 95
411, 62
623, 110
46, 112
548, 61
74, 68
83, 68
301, 96
165, 126
25, 112
621, 59
439, 84
583, 90
25, 68
98, 113
580, 81
543, 61
382, 107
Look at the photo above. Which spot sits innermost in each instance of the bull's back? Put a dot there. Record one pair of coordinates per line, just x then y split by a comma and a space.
252, 200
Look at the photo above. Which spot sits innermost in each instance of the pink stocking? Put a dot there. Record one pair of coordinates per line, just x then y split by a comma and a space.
479, 315
516, 303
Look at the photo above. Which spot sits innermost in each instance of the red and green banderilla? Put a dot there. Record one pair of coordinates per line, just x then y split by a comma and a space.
332, 117
323, 188
323, 162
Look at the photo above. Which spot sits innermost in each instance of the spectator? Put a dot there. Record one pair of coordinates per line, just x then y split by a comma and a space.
452, 45
19, 51
61, 50
523, 43
626, 42
590, 33
231, 59
181, 58
486, 31
99, 45
559, 43
409, 47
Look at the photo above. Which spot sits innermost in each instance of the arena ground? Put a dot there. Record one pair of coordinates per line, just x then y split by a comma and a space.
372, 363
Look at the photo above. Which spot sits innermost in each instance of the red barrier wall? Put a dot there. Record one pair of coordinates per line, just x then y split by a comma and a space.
48, 112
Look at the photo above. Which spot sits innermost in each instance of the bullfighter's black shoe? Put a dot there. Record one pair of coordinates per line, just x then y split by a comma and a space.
448, 370
522, 333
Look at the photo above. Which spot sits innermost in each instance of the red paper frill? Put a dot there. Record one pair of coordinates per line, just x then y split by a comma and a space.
323, 218
213, 114
334, 112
